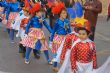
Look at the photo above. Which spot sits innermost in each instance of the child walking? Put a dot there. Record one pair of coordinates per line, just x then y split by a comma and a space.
60, 30
83, 54
35, 34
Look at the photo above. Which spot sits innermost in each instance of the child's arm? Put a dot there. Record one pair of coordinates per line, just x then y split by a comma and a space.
67, 45
47, 26
94, 58
53, 32
28, 26
73, 57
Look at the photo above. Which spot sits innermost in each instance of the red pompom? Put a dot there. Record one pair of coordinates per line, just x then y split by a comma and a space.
26, 3
58, 7
35, 8
49, 4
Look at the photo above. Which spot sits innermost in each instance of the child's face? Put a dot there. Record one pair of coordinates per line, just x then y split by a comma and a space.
63, 14
26, 13
39, 14
83, 34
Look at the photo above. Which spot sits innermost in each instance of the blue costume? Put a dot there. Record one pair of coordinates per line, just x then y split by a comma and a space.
60, 28
76, 10
12, 10
12, 7
34, 23
34, 27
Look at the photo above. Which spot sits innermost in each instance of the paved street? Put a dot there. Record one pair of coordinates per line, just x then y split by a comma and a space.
11, 61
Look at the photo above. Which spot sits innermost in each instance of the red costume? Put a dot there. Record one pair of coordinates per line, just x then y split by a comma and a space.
83, 53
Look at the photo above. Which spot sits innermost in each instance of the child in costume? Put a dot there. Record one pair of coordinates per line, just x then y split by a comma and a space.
53, 10
70, 40
12, 11
21, 31
83, 54
60, 30
3, 8
2, 4
35, 34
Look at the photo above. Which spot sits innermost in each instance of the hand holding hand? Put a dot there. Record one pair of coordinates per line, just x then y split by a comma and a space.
50, 45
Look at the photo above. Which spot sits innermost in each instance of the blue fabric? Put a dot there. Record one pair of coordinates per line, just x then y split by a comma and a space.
38, 45
34, 23
71, 12
47, 55
8, 30
27, 54
12, 7
12, 34
55, 64
5, 5
61, 28
79, 9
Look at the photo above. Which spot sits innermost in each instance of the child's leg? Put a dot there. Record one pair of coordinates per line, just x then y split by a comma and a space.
36, 53
12, 34
20, 48
8, 30
27, 54
55, 68
46, 53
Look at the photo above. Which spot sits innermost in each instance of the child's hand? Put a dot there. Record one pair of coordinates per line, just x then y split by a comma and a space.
50, 45
40, 21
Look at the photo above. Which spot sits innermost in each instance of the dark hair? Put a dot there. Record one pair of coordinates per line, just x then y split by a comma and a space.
82, 28
61, 11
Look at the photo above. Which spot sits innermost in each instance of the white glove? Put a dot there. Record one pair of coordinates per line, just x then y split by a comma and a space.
50, 45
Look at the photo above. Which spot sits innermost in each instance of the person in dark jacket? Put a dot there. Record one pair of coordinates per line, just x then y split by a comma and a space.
92, 9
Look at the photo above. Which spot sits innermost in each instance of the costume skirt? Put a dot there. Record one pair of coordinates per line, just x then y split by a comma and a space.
11, 18
33, 36
57, 42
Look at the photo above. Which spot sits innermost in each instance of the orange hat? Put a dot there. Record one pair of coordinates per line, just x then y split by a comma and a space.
81, 22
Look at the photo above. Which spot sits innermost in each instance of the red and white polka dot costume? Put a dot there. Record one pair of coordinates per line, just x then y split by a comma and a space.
83, 53
70, 39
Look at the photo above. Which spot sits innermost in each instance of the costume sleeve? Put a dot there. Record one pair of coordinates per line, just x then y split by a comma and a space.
94, 58
28, 26
47, 26
73, 57
67, 45
53, 32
